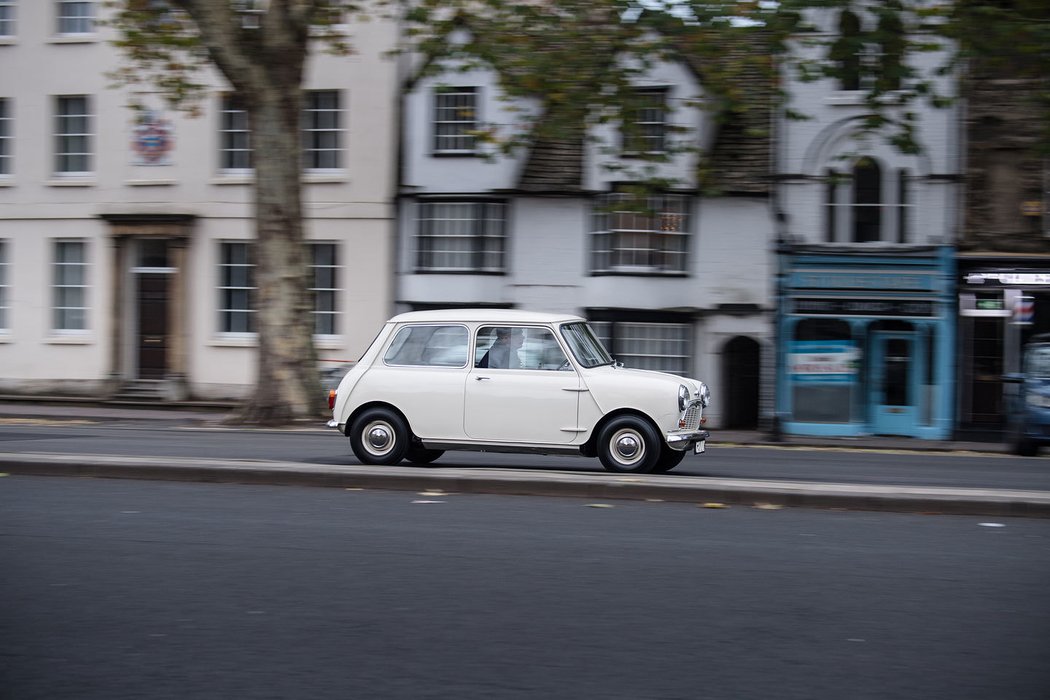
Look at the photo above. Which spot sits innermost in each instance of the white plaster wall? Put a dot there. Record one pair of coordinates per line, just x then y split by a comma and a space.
735, 262
549, 253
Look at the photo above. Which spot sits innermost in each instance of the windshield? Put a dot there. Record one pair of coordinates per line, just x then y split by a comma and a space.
585, 345
1038, 364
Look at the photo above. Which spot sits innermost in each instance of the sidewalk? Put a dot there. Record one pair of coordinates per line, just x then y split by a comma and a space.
709, 492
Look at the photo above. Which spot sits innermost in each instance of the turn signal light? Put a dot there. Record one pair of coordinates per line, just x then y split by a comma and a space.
331, 399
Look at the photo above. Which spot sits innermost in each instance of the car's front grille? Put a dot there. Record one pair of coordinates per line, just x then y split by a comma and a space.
691, 418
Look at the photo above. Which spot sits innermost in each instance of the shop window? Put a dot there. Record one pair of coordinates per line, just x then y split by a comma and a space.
823, 366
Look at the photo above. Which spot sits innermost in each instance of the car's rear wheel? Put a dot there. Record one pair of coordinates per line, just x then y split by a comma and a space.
669, 459
628, 444
379, 436
420, 455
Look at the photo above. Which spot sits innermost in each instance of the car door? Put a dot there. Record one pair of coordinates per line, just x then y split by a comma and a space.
422, 374
534, 400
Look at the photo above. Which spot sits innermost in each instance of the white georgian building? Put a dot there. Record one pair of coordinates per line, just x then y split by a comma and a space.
125, 242
687, 289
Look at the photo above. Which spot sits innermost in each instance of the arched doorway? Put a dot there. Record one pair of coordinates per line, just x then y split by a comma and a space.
740, 383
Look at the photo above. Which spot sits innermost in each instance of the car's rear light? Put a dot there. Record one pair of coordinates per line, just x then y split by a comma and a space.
331, 398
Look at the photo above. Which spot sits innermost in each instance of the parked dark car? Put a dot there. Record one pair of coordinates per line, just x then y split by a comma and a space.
1028, 406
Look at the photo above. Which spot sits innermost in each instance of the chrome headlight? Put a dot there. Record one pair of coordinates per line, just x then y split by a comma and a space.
683, 397
705, 395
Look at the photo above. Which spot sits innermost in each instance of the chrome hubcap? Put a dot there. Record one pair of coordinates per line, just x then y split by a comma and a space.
627, 446
378, 437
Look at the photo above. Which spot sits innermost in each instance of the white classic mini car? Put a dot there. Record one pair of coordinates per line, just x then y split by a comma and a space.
512, 381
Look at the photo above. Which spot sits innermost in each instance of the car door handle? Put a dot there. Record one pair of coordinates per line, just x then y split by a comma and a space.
481, 379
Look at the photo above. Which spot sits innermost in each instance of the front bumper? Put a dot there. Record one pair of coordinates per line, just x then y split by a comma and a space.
683, 441
334, 424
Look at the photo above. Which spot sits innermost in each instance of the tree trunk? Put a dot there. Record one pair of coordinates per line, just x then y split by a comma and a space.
288, 385
264, 64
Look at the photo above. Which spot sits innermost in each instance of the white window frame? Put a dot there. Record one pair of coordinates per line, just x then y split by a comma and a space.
235, 138
5, 322
456, 114
322, 129
326, 315
648, 134
469, 236
74, 137
69, 23
644, 238
897, 205
8, 19
69, 290
6, 138
230, 308
659, 346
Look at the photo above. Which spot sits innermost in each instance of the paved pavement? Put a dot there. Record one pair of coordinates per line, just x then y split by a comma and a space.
710, 492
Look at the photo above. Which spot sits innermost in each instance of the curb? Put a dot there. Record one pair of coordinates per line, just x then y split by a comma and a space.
665, 487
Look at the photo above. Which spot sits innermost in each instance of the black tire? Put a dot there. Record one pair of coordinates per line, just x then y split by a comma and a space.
1023, 447
669, 459
379, 436
628, 445
421, 456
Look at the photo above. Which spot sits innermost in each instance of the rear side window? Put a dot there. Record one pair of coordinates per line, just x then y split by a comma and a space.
429, 346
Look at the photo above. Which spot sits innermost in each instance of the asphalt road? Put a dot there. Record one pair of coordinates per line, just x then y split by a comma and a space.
328, 448
130, 589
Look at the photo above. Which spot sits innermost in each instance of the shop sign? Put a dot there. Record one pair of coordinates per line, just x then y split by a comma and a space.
894, 308
823, 361
1014, 278
886, 281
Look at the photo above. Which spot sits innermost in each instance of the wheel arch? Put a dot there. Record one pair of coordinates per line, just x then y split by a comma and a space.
376, 404
590, 448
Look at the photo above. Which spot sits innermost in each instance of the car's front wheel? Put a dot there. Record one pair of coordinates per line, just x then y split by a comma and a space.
669, 459
628, 444
379, 436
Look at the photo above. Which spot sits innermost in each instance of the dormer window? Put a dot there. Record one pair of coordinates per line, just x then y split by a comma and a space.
455, 120
646, 130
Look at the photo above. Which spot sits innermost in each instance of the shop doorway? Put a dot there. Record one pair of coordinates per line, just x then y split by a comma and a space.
893, 384
740, 379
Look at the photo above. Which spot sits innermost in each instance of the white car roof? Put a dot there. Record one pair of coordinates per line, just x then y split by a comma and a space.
484, 316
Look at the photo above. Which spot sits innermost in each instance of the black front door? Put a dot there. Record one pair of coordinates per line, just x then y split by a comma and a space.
153, 325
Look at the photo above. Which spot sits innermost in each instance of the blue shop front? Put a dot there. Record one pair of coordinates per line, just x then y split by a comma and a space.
866, 341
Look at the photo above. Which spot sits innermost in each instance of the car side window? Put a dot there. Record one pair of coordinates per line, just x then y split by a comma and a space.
428, 346
516, 347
